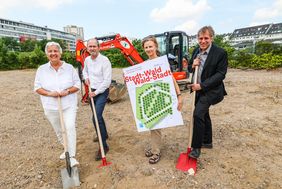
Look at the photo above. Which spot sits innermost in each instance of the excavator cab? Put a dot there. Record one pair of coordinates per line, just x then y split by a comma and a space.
175, 45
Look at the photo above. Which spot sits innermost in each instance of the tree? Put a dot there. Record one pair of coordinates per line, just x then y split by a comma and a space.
137, 43
263, 47
11, 43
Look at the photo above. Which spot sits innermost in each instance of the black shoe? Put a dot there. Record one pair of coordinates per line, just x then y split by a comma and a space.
207, 145
95, 138
195, 153
99, 155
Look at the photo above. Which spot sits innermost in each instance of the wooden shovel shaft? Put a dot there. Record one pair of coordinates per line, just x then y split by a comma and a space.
64, 133
97, 124
192, 109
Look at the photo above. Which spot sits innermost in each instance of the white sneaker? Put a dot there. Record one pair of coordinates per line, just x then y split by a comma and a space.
63, 156
73, 162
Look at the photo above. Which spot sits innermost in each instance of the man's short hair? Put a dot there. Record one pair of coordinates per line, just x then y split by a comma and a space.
93, 39
205, 29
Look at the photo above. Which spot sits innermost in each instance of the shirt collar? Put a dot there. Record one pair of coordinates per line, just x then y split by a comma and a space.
208, 50
62, 67
97, 57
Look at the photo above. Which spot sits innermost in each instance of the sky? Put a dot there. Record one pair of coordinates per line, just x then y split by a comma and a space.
139, 18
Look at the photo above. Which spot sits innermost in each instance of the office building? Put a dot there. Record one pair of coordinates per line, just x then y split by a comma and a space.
22, 31
77, 31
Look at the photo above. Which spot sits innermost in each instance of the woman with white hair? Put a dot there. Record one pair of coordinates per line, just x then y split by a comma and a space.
56, 79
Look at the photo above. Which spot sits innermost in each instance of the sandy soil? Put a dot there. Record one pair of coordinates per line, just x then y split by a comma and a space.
247, 149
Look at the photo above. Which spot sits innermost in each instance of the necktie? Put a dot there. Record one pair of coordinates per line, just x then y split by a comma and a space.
201, 66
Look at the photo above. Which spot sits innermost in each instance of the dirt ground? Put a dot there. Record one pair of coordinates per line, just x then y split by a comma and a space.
247, 131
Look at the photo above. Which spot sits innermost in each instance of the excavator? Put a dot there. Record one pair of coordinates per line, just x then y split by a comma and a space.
174, 44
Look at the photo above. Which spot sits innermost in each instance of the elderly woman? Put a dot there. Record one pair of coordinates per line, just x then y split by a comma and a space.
59, 79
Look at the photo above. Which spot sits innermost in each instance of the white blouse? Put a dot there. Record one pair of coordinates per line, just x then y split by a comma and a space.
51, 80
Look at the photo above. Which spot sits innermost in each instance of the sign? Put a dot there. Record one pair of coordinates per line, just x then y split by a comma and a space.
152, 95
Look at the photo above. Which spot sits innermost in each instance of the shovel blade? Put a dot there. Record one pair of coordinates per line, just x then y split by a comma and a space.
187, 164
70, 181
104, 163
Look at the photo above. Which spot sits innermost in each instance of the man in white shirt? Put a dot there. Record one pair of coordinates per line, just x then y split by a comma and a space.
97, 73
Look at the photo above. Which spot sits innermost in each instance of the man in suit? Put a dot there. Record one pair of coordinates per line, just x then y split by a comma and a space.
210, 90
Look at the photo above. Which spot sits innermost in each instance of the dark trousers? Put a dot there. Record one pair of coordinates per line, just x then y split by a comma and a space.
100, 101
202, 130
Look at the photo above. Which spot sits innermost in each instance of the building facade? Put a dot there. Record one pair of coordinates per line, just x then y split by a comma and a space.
22, 31
77, 31
247, 37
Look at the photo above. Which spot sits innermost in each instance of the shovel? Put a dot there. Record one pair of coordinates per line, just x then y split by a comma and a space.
186, 163
104, 161
70, 177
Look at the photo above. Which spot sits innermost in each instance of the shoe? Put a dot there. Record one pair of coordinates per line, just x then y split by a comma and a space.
148, 153
63, 156
73, 162
99, 155
195, 153
207, 145
95, 138
155, 158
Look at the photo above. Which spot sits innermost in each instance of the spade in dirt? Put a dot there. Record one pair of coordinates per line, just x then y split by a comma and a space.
186, 163
104, 160
70, 176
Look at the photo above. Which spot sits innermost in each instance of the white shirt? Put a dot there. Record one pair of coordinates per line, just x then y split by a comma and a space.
99, 72
51, 80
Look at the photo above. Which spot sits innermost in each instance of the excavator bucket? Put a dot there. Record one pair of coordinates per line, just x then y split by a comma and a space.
117, 91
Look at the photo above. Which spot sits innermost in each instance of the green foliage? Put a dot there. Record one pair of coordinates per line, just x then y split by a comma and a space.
240, 59
30, 54
28, 45
266, 61
263, 47
23, 60
116, 58
137, 43
11, 43
267, 55
69, 57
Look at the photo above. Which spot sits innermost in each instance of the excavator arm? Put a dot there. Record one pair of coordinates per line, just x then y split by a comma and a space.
117, 90
123, 44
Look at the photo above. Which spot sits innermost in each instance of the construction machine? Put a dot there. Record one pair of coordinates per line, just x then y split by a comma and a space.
117, 90
174, 44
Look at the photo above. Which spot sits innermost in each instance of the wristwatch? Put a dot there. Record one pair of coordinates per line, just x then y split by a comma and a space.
68, 91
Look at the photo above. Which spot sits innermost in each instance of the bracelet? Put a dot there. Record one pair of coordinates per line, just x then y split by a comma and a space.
178, 94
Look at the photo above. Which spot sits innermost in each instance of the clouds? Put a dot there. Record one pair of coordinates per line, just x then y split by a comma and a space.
184, 13
268, 14
45, 4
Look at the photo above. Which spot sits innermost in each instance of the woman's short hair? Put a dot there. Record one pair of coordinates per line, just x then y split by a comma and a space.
53, 43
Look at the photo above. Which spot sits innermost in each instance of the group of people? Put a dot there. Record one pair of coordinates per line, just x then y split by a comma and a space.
58, 79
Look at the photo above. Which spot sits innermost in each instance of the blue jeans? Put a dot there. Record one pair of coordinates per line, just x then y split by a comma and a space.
100, 101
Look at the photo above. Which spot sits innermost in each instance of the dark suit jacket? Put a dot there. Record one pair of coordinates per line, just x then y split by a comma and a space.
213, 74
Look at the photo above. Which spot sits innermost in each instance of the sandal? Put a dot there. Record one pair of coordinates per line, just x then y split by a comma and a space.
155, 158
148, 153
